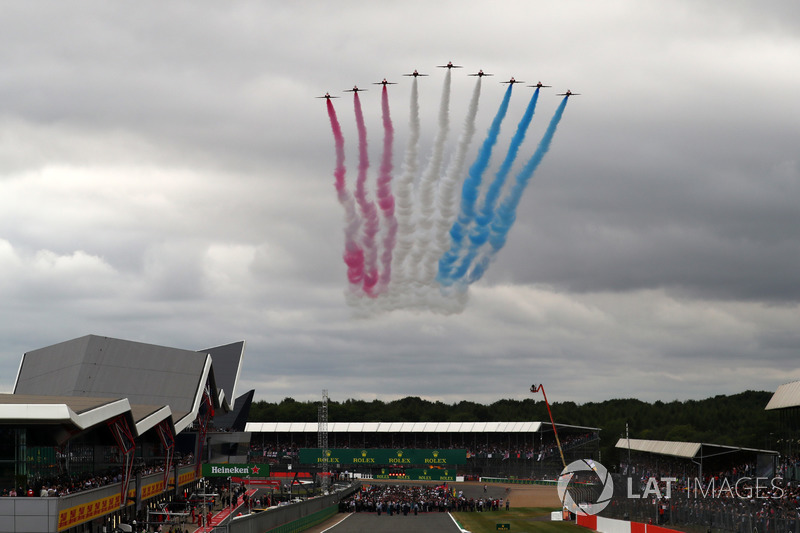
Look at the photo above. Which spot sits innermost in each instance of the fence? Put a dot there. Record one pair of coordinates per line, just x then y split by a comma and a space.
730, 515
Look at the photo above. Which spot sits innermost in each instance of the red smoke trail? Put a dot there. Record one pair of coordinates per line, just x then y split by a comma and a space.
385, 196
368, 211
353, 254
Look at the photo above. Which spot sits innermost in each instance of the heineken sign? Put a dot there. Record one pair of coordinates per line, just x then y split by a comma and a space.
382, 456
238, 470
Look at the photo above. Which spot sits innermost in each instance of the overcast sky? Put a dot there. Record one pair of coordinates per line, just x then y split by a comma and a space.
167, 176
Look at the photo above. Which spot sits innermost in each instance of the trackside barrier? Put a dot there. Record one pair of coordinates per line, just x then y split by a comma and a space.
307, 521
293, 517
611, 525
518, 481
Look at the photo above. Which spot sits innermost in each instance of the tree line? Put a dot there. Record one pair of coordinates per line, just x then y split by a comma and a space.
734, 420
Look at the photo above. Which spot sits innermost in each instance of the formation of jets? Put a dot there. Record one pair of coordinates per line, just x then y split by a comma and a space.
448, 66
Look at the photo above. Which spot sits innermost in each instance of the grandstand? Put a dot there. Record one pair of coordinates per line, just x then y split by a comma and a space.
518, 449
104, 429
693, 459
786, 402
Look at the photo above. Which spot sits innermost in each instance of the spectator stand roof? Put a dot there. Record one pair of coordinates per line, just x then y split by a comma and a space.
787, 396
408, 427
685, 450
90, 380
59, 417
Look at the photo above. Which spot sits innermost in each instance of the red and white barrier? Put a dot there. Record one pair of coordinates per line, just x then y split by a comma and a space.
610, 525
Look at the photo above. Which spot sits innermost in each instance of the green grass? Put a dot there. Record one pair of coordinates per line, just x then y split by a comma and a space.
521, 519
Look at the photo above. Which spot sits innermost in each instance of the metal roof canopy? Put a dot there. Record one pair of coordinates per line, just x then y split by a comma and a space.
787, 395
159, 382
685, 450
408, 427
227, 368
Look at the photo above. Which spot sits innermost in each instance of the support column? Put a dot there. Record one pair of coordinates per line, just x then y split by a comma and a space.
203, 416
127, 446
168, 442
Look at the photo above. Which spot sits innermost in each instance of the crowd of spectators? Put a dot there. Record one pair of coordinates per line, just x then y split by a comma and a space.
734, 497
64, 484
539, 451
413, 499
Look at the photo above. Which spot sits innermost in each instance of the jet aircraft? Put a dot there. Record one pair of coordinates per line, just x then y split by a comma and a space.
328, 96
355, 89
384, 82
449, 65
415, 74
539, 85
568, 94
512, 81
480, 73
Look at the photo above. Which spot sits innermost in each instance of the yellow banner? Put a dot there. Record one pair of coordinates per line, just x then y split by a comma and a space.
91, 510
88, 511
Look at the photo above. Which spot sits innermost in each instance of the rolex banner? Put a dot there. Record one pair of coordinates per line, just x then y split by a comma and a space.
418, 474
238, 470
383, 456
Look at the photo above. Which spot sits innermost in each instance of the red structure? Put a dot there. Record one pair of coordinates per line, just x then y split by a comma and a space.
534, 389
127, 445
168, 442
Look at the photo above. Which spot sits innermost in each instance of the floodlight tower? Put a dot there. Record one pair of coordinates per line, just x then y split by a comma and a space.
534, 389
322, 438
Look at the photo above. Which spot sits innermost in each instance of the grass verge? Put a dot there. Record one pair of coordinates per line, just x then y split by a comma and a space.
520, 519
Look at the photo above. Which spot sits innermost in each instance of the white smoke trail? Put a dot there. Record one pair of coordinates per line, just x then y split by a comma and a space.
404, 195
448, 192
427, 186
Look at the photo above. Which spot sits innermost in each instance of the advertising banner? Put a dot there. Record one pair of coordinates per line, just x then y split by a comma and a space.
383, 456
418, 474
239, 470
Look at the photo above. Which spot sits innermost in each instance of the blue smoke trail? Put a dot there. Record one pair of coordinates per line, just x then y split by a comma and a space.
480, 232
469, 194
507, 212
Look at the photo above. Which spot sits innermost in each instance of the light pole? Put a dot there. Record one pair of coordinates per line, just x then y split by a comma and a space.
628, 438
534, 389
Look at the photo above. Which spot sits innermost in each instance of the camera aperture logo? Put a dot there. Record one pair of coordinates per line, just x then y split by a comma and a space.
568, 494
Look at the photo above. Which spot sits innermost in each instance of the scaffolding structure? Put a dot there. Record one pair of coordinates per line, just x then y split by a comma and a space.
322, 439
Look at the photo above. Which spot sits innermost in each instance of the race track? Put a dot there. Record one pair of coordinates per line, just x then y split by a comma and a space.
361, 522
